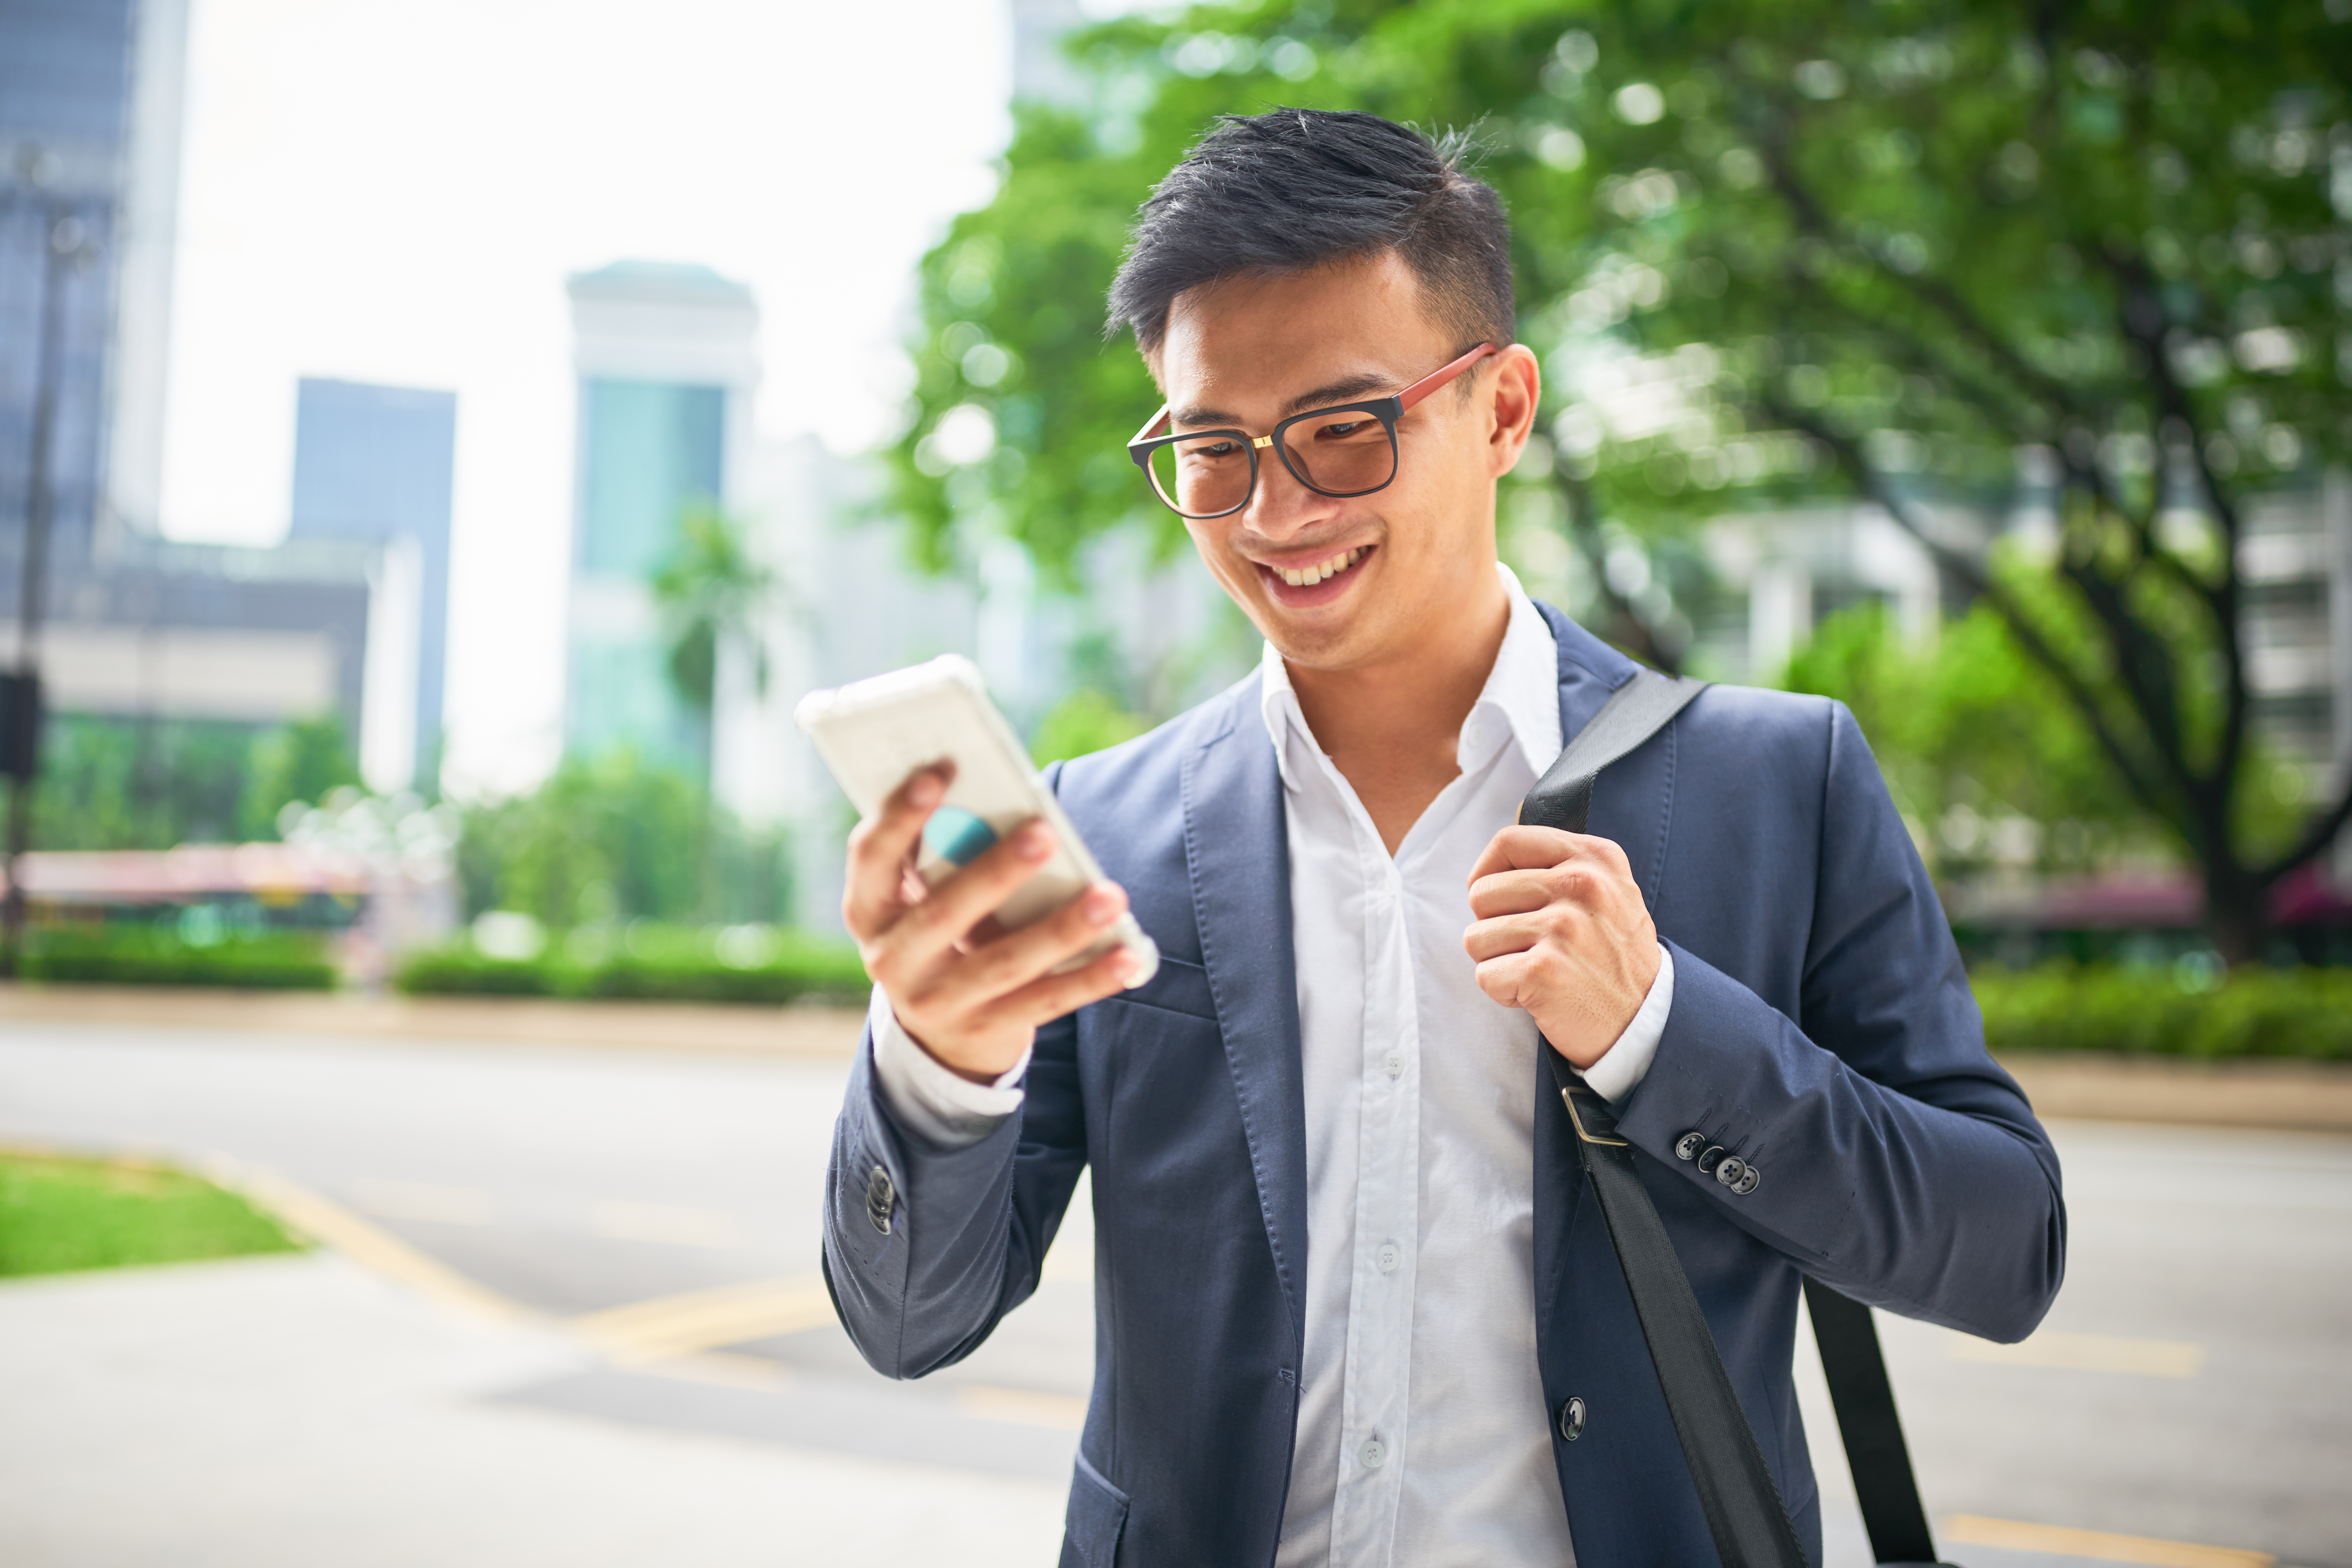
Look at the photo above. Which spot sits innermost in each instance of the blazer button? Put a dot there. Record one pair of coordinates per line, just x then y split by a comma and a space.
1687, 1146
880, 1195
1572, 1417
1749, 1181
1709, 1158
1732, 1171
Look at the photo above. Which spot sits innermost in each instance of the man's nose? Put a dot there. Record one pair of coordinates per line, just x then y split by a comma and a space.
1281, 506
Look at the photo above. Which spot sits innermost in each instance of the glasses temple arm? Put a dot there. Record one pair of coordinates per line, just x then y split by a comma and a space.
1441, 374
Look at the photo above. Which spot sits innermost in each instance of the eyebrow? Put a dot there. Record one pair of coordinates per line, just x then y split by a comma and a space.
1346, 389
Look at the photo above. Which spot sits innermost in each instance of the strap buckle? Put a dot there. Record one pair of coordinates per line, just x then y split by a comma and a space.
1590, 1114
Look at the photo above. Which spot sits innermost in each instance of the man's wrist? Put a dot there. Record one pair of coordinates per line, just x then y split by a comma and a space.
930, 1097
1617, 1071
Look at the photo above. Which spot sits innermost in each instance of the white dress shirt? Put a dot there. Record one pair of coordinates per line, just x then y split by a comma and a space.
1422, 1440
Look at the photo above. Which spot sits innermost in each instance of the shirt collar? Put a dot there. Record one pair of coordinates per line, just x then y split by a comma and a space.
1521, 695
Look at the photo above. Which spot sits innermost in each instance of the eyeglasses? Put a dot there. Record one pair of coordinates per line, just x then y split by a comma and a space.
1343, 451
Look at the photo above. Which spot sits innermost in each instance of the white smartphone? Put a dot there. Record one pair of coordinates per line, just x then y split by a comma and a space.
874, 733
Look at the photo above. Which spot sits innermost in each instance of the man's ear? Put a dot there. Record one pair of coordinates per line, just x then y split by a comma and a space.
1512, 396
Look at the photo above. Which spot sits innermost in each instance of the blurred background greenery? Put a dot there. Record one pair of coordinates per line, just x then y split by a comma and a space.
2061, 295
2058, 288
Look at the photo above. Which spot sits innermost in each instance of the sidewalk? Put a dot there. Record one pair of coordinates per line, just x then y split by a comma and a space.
511, 1020
293, 1412
2295, 1095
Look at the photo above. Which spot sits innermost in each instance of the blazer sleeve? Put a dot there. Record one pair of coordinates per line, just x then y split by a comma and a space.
927, 1247
1896, 1160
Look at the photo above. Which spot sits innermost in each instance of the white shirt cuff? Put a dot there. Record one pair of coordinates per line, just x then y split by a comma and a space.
929, 1099
1623, 1064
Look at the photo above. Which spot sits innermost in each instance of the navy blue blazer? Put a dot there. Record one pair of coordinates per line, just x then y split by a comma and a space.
1821, 1029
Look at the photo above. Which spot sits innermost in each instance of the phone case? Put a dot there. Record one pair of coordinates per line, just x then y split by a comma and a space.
874, 733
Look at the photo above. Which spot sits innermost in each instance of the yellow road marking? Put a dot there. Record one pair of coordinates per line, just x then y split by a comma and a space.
2086, 1352
427, 1201
1022, 1407
366, 1244
669, 1225
699, 1320
1973, 1530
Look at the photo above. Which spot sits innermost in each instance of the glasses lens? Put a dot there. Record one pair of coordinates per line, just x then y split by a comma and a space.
1347, 453
1202, 476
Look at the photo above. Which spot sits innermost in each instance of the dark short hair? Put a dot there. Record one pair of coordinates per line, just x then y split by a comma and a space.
1294, 189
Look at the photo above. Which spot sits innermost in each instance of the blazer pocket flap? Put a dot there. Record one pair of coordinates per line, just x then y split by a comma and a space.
1098, 1517
1176, 987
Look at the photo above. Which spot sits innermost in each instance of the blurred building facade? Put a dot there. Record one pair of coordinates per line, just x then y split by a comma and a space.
668, 364
375, 466
131, 625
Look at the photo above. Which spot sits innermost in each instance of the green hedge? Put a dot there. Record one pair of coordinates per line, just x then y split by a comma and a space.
651, 963
149, 955
2251, 1012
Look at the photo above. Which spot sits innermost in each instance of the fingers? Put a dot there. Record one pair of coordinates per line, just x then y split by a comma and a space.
880, 845
1509, 980
1519, 847
971, 894
1512, 933
977, 980
1050, 997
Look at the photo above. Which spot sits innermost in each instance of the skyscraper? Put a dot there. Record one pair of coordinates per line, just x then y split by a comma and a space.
667, 362
376, 464
133, 625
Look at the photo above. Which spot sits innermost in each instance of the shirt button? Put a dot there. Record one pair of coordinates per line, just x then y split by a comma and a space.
1373, 1454
1392, 1064
1387, 1258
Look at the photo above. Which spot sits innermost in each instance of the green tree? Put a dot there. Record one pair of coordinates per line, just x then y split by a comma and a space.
710, 590
150, 784
614, 838
297, 761
1876, 246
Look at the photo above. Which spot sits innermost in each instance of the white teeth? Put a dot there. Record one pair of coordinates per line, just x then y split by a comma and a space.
1322, 571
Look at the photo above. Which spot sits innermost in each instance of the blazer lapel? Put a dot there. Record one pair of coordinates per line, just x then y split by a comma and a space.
1237, 852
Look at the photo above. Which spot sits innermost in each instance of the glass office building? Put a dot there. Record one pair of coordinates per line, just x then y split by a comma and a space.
666, 363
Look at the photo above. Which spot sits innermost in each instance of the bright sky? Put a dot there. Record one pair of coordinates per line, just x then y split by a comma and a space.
396, 193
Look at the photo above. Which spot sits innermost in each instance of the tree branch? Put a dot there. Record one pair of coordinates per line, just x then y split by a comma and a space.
1584, 530
1980, 583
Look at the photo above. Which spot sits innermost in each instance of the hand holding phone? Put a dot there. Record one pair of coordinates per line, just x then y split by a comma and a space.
1006, 922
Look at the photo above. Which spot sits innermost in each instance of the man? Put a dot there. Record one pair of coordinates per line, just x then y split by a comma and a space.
1354, 1305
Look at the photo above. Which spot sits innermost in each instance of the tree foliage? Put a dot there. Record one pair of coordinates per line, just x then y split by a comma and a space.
613, 838
133, 784
710, 589
1770, 250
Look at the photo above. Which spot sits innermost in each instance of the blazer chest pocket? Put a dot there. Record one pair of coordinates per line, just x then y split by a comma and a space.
1098, 1518
1176, 987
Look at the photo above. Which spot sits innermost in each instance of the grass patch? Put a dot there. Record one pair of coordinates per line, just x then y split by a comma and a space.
59, 1215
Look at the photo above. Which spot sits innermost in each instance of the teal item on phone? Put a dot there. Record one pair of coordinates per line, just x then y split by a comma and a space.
956, 835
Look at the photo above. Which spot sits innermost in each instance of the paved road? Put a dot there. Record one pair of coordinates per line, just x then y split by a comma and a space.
2192, 1386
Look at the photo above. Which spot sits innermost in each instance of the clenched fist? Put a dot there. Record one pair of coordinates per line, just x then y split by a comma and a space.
1562, 932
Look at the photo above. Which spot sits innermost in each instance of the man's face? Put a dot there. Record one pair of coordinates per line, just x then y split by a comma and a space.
1413, 560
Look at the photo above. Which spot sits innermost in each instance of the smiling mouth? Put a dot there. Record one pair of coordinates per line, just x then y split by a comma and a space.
1321, 571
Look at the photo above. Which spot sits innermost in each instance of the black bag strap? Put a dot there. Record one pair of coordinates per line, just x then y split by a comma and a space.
1744, 1511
